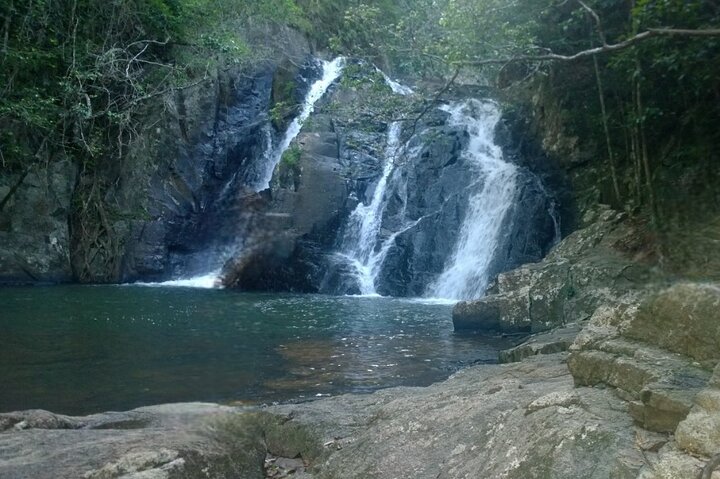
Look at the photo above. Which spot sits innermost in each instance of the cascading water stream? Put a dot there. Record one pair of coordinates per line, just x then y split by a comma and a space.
466, 273
396, 87
362, 246
331, 72
361, 234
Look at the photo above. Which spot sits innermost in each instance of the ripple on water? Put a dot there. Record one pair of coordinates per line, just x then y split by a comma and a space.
84, 349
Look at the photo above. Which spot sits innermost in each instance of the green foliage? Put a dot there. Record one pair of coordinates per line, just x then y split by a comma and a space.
76, 73
291, 157
279, 112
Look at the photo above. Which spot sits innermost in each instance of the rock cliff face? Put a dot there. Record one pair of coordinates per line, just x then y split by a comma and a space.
182, 202
34, 231
198, 203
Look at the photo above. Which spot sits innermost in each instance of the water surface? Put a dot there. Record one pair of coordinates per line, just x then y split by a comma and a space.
83, 349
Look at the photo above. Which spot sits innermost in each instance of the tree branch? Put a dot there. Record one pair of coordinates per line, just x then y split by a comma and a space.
435, 99
653, 32
598, 23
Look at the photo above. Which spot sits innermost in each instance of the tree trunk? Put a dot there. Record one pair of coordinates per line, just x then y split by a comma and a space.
603, 111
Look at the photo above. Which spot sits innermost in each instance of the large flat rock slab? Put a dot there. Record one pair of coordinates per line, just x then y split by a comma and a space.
520, 420
191, 440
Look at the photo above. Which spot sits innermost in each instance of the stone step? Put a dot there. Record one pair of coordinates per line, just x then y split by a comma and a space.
554, 341
660, 386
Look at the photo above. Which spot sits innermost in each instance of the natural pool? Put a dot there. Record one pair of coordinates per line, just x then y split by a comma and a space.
83, 349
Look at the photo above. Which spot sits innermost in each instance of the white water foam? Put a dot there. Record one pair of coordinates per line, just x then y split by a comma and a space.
331, 72
466, 273
207, 281
396, 87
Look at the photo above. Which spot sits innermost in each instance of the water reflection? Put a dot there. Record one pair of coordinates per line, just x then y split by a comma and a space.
84, 349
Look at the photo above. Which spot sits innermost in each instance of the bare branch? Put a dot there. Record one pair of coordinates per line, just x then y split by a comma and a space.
435, 99
710, 32
654, 32
596, 17
130, 62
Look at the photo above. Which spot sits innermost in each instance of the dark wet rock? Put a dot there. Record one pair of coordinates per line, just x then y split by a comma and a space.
291, 237
218, 135
178, 199
344, 142
34, 232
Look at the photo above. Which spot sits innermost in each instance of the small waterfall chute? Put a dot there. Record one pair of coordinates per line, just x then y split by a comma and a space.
396, 87
360, 241
363, 247
466, 273
270, 159
331, 72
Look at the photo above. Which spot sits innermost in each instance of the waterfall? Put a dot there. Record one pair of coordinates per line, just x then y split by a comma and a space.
396, 87
363, 228
466, 272
331, 71
362, 245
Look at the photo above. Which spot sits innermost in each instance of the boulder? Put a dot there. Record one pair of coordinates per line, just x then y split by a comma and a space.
514, 421
699, 433
555, 341
622, 348
286, 248
505, 312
